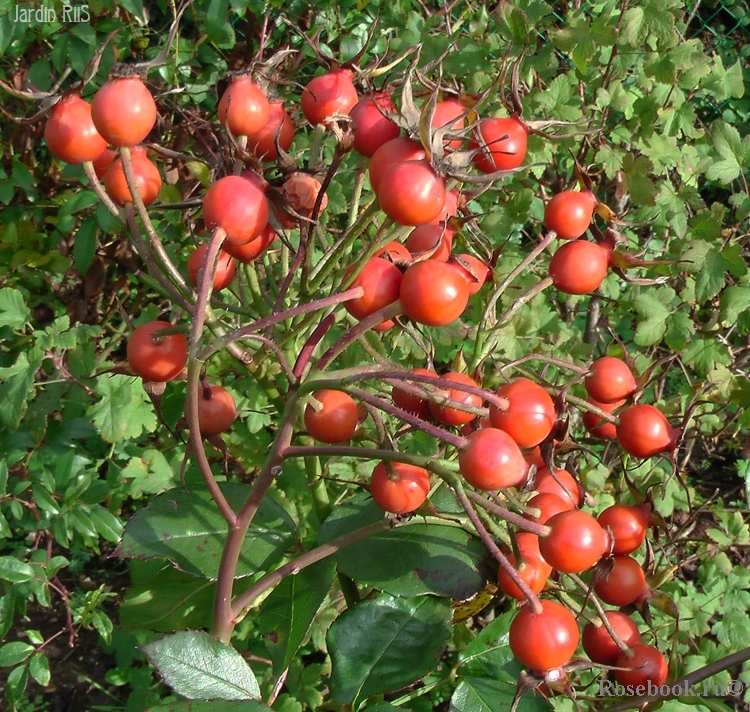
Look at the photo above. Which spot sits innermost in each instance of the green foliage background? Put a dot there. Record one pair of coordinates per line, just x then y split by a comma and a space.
654, 96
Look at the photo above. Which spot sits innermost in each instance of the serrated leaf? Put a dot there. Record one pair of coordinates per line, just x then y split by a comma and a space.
123, 411
213, 706
703, 354
13, 310
200, 667
480, 694
385, 643
728, 144
287, 614
712, 277
188, 529
653, 325
17, 387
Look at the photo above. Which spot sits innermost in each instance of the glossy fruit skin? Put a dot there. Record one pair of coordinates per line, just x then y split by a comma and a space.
450, 208
433, 293
160, 360
398, 150
596, 425
544, 641
569, 213
491, 460
70, 132
478, 273
381, 280
531, 414
643, 431
103, 161
328, 94
411, 193
452, 416
627, 525
372, 128
147, 179
263, 143
410, 403
225, 268
575, 543
431, 237
646, 665
610, 380
238, 206
599, 645
534, 570
501, 144
216, 410
549, 505
578, 267
624, 584
405, 493
563, 484
447, 113
393, 251
123, 110
250, 251
244, 108
336, 421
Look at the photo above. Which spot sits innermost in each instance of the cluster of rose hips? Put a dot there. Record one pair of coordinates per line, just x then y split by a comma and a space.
431, 287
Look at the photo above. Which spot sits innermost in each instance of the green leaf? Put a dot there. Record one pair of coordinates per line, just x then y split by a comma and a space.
199, 667
15, 571
149, 473
213, 706
679, 331
417, 559
123, 411
703, 354
39, 669
169, 601
480, 694
15, 653
385, 643
287, 614
188, 529
13, 310
655, 315
15, 685
17, 387
729, 146
107, 525
84, 248
712, 278
651, 24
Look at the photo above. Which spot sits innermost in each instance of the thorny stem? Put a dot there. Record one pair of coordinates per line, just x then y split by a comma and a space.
223, 616
243, 603
145, 254
602, 615
387, 312
511, 517
488, 314
88, 169
493, 547
194, 376
455, 440
354, 293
